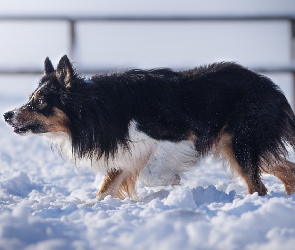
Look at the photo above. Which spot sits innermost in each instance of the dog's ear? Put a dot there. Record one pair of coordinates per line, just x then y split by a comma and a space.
48, 67
65, 72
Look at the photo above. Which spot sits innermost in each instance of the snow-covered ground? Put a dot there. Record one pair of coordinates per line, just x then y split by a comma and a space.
47, 204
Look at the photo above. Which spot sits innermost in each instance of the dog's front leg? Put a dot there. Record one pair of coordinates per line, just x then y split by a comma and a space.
111, 185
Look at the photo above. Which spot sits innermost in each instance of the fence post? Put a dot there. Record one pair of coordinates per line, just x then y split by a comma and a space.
72, 47
293, 58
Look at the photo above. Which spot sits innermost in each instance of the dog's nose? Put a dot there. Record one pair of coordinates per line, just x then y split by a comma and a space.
8, 115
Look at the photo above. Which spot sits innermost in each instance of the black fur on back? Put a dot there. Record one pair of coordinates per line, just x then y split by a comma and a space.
168, 105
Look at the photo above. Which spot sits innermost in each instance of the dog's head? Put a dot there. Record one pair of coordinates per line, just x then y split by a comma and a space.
45, 111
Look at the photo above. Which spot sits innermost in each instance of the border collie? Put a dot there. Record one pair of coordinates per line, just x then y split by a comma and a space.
154, 125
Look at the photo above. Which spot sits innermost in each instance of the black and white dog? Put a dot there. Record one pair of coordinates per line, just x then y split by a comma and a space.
127, 123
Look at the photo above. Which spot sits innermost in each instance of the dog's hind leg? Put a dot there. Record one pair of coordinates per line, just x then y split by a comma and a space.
251, 176
285, 172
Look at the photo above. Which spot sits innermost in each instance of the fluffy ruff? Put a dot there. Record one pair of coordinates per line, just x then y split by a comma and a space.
155, 124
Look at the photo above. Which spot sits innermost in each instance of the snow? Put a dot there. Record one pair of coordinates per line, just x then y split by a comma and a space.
46, 203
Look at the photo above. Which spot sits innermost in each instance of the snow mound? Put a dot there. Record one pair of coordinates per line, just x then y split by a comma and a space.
210, 194
19, 184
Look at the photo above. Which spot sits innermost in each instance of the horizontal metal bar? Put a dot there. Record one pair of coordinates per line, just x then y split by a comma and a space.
274, 69
149, 18
101, 70
38, 71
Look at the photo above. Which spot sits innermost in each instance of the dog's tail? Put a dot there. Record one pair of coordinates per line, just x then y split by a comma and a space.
265, 126
282, 139
279, 127
288, 129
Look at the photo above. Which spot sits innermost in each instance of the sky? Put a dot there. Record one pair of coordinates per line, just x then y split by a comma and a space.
151, 6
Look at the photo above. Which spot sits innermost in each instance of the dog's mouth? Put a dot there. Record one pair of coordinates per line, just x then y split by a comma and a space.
24, 129
18, 130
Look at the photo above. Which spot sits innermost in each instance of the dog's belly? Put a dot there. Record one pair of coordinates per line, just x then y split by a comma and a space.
158, 163
168, 163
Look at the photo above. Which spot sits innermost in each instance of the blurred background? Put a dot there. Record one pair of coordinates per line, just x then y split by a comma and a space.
112, 35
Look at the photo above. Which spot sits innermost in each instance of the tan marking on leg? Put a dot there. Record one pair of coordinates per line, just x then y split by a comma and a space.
111, 184
127, 187
118, 184
284, 171
224, 148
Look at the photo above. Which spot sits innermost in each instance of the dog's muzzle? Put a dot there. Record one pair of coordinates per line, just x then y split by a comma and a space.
8, 116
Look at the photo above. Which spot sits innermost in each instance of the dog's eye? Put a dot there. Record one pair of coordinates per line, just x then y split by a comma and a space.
40, 101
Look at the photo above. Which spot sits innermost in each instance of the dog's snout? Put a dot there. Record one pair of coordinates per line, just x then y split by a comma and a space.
8, 115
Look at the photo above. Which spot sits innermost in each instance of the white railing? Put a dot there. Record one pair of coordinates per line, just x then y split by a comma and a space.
72, 20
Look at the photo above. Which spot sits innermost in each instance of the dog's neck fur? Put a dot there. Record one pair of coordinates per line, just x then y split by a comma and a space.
139, 145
